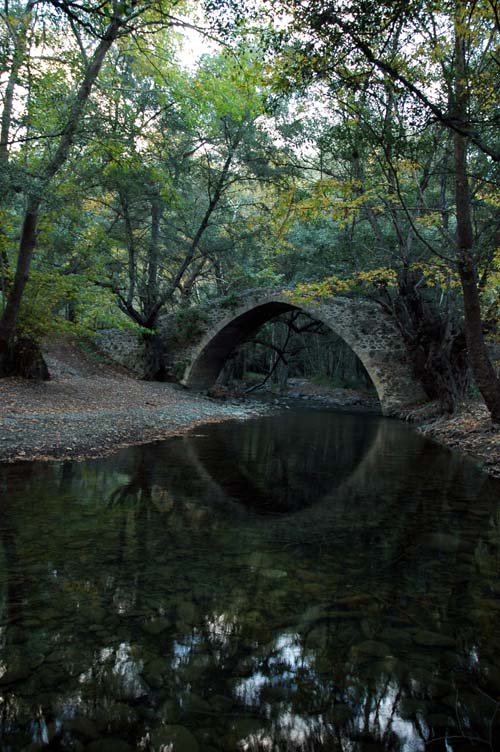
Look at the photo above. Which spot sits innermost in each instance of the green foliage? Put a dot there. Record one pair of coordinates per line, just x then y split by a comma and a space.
184, 183
179, 368
189, 324
49, 297
232, 300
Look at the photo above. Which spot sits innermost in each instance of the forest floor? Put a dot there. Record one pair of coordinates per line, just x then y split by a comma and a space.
90, 408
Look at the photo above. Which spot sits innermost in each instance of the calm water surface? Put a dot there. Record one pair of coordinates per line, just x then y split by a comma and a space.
308, 581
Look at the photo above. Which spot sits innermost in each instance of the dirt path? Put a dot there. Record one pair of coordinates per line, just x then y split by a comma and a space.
91, 408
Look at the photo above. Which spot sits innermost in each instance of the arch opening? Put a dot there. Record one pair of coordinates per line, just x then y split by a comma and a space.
369, 331
203, 372
297, 354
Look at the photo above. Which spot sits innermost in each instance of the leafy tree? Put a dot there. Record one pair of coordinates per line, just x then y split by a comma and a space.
180, 198
95, 28
442, 58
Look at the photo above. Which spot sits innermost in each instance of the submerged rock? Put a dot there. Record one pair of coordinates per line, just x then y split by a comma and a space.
193, 703
240, 730
155, 671
116, 717
221, 703
440, 720
83, 727
13, 675
401, 636
156, 626
174, 738
371, 648
339, 714
433, 639
109, 745
187, 613
442, 542
274, 574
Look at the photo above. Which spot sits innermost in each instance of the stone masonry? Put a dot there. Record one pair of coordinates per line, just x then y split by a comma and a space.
361, 323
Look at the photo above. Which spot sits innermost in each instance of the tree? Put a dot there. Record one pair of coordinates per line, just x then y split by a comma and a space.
444, 57
105, 23
183, 197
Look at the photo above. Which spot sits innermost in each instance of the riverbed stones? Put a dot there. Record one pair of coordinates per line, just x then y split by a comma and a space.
240, 730
174, 738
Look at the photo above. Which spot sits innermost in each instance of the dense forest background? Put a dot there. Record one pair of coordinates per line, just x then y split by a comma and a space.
326, 147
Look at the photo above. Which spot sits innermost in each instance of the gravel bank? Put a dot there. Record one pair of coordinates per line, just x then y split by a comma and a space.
91, 408
80, 435
469, 431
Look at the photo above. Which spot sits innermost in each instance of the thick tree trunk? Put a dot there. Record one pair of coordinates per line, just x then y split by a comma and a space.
24, 358
9, 347
482, 368
155, 362
27, 245
129, 235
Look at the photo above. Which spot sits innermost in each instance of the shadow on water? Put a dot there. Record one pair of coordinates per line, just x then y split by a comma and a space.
309, 581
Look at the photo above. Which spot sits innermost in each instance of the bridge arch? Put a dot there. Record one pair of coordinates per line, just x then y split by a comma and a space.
361, 323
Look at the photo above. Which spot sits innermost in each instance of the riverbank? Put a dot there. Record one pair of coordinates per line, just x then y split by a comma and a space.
469, 431
90, 408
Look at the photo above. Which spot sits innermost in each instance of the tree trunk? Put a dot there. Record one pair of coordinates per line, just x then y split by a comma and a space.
153, 253
24, 358
129, 236
155, 369
482, 368
8, 345
17, 61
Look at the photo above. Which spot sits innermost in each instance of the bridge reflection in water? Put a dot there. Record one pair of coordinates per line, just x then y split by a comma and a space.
300, 582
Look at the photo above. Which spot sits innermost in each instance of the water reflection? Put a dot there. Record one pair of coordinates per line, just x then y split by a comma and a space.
161, 598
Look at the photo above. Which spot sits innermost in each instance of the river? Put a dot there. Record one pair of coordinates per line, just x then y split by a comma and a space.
313, 580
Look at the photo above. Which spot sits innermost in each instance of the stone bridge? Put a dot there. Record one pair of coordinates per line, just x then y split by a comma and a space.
360, 322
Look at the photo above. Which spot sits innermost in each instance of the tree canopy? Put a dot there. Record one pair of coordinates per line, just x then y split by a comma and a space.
322, 146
